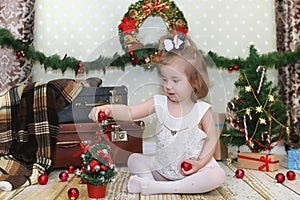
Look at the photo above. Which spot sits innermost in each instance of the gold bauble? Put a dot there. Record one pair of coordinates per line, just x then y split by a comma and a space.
180, 22
128, 39
147, 60
133, 13
154, 58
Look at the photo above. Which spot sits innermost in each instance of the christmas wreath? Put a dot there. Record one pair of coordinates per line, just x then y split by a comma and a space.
134, 18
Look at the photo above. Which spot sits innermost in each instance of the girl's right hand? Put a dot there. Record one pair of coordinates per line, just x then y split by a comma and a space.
93, 115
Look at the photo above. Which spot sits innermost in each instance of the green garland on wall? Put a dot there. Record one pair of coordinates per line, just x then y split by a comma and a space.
24, 50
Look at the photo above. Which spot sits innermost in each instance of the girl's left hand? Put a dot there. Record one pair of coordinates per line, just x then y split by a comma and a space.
195, 167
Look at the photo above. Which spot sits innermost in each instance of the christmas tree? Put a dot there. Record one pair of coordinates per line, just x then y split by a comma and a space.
256, 117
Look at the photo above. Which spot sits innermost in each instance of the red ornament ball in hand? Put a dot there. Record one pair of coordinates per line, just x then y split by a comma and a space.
71, 169
43, 179
73, 193
290, 175
239, 173
280, 177
63, 176
186, 166
102, 116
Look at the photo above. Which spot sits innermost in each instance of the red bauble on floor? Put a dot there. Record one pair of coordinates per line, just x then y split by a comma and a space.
43, 179
290, 175
280, 178
71, 169
239, 173
73, 193
63, 176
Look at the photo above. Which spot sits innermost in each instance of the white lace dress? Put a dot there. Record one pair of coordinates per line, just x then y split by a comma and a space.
187, 143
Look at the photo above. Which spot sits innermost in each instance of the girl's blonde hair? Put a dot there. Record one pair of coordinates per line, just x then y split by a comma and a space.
195, 68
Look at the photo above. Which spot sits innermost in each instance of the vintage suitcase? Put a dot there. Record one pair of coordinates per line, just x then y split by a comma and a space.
90, 97
126, 137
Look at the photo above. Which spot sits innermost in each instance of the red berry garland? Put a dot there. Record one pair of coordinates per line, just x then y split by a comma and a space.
234, 67
21, 54
80, 69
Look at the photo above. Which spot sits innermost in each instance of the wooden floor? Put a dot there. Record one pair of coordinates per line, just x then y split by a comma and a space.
255, 185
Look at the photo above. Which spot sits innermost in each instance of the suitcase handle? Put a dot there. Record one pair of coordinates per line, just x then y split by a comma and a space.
68, 144
85, 104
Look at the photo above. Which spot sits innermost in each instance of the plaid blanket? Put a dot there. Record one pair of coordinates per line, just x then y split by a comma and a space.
29, 125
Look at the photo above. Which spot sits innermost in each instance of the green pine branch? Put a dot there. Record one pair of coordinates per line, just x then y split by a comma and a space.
268, 60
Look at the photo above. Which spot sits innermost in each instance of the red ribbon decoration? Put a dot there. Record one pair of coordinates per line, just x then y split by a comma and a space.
149, 7
266, 160
83, 149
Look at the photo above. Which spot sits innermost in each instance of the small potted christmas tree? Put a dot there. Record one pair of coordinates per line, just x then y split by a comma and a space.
257, 117
98, 169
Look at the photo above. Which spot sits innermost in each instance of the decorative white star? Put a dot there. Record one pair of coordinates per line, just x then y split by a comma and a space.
271, 98
258, 109
248, 88
248, 111
262, 121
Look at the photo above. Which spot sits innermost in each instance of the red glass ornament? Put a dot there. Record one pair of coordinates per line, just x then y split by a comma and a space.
73, 193
186, 166
19, 53
280, 177
230, 68
102, 116
131, 53
80, 70
239, 173
79, 64
63, 176
43, 179
93, 163
290, 175
235, 67
71, 169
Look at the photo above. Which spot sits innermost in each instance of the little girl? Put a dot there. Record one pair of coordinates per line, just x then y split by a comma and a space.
185, 129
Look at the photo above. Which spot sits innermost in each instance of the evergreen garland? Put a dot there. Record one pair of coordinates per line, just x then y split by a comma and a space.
269, 60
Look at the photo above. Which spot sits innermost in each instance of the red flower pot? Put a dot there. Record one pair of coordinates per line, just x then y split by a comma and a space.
96, 191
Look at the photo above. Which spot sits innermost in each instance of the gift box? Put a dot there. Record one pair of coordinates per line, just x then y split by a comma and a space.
221, 151
294, 159
259, 161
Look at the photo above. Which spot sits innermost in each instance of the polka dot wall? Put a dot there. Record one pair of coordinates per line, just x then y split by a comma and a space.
87, 29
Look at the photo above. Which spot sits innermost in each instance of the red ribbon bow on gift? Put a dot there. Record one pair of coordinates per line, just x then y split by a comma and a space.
266, 160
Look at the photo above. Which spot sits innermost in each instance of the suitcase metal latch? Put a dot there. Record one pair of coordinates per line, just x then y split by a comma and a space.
117, 135
114, 98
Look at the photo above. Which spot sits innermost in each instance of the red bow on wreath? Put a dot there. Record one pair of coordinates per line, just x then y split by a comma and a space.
149, 7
